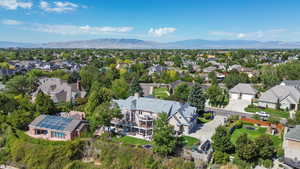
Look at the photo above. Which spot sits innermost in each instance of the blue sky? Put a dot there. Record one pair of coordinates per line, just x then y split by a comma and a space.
156, 20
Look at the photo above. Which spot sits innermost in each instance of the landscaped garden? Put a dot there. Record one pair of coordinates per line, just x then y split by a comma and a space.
253, 132
131, 140
272, 112
161, 93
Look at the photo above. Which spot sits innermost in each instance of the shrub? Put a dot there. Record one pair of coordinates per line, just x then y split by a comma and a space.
220, 157
267, 163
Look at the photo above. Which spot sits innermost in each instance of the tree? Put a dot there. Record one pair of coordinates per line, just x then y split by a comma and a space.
88, 75
120, 88
181, 92
163, 138
19, 85
20, 119
196, 98
98, 97
103, 115
135, 87
265, 146
246, 149
212, 77
221, 140
7, 104
217, 96
220, 157
44, 104
233, 78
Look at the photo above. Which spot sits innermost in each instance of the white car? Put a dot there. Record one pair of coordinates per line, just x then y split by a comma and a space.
262, 114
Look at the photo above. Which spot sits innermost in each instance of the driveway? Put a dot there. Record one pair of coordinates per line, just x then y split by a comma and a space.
205, 131
237, 105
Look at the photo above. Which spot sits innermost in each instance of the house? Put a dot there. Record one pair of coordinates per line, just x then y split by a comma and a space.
156, 69
59, 90
280, 96
139, 114
292, 147
56, 128
243, 91
209, 69
292, 83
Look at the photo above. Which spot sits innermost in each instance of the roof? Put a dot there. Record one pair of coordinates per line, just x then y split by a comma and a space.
156, 106
293, 133
291, 82
55, 123
243, 88
279, 93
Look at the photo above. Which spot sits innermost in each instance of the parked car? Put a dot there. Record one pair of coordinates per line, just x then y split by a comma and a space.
262, 114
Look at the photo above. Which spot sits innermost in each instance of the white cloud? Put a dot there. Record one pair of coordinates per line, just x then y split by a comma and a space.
15, 4
161, 31
79, 30
58, 6
258, 35
11, 22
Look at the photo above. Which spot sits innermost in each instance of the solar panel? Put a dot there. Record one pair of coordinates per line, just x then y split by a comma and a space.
54, 122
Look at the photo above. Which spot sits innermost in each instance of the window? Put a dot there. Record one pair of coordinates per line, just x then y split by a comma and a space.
58, 135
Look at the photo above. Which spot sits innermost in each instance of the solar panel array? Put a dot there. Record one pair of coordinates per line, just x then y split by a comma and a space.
54, 122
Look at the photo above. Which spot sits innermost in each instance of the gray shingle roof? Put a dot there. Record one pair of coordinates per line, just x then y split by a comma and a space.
243, 88
291, 82
280, 92
156, 106
293, 133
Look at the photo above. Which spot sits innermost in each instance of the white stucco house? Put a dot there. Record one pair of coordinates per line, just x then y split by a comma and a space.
243, 91
280, 96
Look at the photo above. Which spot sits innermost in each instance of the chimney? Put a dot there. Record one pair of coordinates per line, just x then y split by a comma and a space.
78, 85
136, 95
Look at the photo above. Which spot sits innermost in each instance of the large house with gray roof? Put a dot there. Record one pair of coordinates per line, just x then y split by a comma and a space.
292, 147
56, 128
59, 90
139, 114
280, 96
243, 91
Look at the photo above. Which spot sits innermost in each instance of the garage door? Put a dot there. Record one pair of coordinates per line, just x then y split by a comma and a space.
247, 97
234, 96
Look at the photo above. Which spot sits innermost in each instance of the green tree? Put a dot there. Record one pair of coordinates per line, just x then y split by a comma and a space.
19, 85
197, 98
217, 96
98, 97
233, 78
88, 75
246, 149
44, 104
120, 88
103, 115
135, 87
163, 138
212, 77
221, 140
7, 104
221, 158
182, 91
265, 146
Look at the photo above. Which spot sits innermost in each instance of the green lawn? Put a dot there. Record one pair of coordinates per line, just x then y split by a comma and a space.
203, 120
272, 112
131, 140
189, 141
161, 92
252, 134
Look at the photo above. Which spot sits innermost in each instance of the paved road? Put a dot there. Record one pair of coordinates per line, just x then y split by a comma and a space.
227, 113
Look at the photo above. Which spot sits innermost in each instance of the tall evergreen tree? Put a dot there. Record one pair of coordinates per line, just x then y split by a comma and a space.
197, 98
221, 140
135, 87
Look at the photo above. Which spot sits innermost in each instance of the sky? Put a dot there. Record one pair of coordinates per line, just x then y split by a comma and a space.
155, 20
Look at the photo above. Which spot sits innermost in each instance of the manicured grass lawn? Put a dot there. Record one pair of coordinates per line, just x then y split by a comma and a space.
189, 141
131, 140
252, 134
272, 112
203, 120
161, 93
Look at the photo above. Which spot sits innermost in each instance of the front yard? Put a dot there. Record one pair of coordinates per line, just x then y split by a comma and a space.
272, 112
189, 141
161, 93
252, 134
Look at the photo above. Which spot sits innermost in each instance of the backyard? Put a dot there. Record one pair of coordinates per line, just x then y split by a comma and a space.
161, 93
272, 112
252, 134
189, 141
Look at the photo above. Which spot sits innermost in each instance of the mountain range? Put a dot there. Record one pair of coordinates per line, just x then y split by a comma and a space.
142, 44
